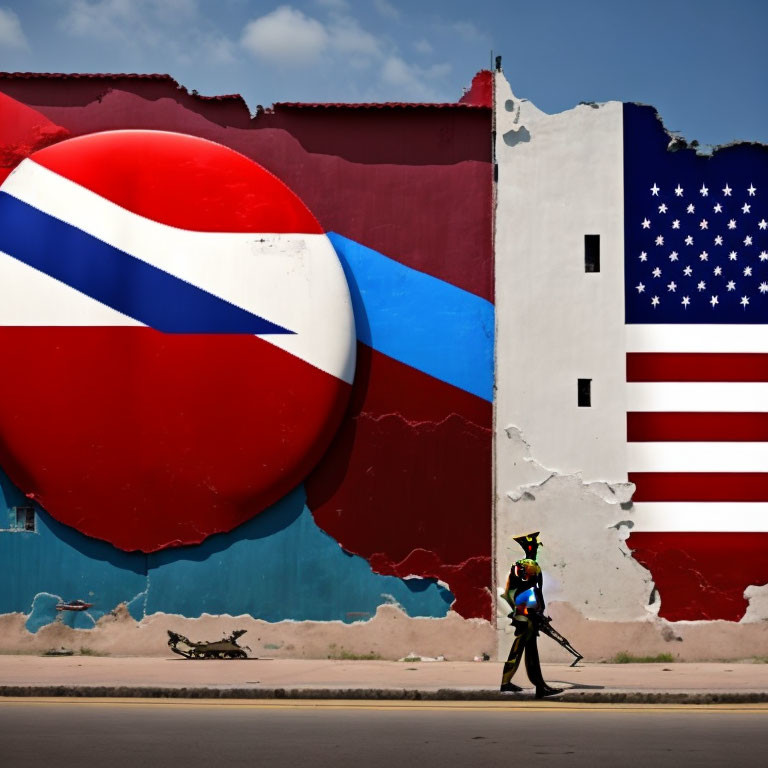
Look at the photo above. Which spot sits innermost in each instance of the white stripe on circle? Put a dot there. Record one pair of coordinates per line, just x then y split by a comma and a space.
30, 297
294, 280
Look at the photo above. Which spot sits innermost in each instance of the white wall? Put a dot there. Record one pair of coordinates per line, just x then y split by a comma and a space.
556, 322
560, 468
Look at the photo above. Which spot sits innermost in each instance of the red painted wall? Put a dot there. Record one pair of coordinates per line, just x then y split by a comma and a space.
407, 481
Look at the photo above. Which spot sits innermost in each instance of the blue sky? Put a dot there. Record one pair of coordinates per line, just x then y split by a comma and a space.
702, 63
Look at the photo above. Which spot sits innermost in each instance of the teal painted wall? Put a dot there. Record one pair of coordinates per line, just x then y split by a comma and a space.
277, 566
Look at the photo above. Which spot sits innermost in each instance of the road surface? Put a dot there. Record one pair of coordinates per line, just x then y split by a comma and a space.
203, 734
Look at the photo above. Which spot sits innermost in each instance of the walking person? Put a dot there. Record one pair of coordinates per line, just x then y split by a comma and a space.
526, 599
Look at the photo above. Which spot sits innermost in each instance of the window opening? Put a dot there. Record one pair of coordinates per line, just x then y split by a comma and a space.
591, 253
22, 518
585, 393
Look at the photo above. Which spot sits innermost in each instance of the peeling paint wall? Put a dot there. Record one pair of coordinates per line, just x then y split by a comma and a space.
560, 468
389, 634
396, 513
561, 465
398, 538
278, 566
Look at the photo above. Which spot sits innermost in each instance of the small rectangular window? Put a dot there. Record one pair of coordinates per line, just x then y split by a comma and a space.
591, 253
585, 393
23, 519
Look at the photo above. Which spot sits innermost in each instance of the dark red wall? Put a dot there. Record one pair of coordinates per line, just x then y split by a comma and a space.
407, 482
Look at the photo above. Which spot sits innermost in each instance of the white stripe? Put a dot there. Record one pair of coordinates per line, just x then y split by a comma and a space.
26, 293
294, 280
699, 396
697, 338
697, 457
704, 516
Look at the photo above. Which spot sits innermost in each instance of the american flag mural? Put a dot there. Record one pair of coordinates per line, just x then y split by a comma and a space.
696, 302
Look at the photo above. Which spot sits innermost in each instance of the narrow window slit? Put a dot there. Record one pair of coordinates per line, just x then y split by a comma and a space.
591, 253
585, 393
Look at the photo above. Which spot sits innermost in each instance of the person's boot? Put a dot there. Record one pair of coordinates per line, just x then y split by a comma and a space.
546, 690
510, 688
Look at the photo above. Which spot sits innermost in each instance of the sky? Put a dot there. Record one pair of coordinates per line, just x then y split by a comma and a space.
702, 63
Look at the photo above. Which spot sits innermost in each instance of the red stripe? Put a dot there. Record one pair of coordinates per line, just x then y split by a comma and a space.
23, 129
702, 576
179, 180
346, 168
408, 437
695, 366
700, 486
149, 439
697, 427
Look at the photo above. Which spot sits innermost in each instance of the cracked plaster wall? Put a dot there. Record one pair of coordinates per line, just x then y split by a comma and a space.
585, 560
390, 634
561, 469
245, 579
419, 428
264, 568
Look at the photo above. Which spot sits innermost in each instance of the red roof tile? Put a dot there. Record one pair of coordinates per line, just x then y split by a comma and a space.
375, 105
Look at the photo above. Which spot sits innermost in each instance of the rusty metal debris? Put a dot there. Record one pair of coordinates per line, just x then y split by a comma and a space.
218, 649
73, 605
59, 652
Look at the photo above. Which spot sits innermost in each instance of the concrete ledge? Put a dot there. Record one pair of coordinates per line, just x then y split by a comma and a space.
390, 694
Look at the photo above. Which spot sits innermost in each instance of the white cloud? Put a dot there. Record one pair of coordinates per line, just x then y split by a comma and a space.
411, 80
285, 35
123, 18
386, 9
348, 37
335, 45
11, 33
423, 46
396, 72
219, 49
109, 18
152, 29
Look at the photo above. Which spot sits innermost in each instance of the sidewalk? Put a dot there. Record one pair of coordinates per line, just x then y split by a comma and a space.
326, 679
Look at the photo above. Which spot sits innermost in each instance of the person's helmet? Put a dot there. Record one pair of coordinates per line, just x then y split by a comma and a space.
527, 569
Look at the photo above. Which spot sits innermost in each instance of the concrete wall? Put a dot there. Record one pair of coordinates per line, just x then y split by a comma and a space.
397, 539
391, 529
560, 468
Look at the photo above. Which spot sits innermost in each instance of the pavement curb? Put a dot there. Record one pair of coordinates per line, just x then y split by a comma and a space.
380, 694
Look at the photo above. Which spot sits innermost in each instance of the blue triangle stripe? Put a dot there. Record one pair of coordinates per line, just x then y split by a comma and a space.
117, 279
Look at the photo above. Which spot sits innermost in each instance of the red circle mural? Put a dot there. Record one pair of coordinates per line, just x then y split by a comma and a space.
179, 332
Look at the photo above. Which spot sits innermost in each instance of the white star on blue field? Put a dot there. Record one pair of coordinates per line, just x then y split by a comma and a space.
702, 63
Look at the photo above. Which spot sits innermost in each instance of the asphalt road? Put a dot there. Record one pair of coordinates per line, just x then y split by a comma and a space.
194, 734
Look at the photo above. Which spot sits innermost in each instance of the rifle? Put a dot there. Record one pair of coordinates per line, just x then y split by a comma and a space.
544, 625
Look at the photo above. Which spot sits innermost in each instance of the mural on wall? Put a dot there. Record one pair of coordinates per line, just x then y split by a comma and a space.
189, 328
696, 270
317, 407
630, 413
